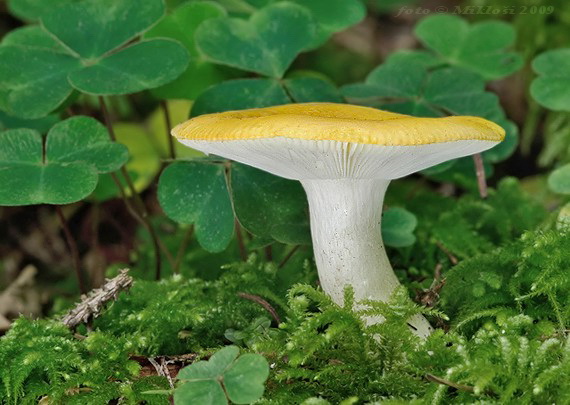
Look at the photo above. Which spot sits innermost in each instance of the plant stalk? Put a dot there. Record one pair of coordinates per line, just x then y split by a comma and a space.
81, 277
168, 123
346, 217
141, 211
480, 172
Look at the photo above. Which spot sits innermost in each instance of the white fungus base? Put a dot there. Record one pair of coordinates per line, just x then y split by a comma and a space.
345, 184
346, 220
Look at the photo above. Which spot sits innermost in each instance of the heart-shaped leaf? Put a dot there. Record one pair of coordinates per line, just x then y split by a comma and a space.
333, 16
84, 139
207, 382
480, 47
270, 206
312, 89
398, 225
552, 87
144, 65
408, 83
240, 94
181, 25
330, 15
31, 10
196, 193
245, 379
559, 180
34, 89
83, 49
41, 125
91, 28
267, 43
143, 165
64, 171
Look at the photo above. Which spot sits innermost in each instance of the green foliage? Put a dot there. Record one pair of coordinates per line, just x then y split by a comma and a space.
527, 276
256, 45
68, 58
474, 226
559, 180
398, 226
225, 376
181, 25
505, 302
410, 82
503, 363
552, 87
270, 206
62, 171
192, 314
196, 193
53, 363
480, 47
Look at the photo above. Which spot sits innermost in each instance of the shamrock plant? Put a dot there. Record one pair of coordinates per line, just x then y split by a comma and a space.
63, 170
85, 46
225, 377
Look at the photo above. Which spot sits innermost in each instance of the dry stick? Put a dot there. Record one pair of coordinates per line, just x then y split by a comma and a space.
185, 241
439, 380
170, 138
142, 212
73, 250
289, 255
450, 255
241, 244
92, 303
480, 171
266, 305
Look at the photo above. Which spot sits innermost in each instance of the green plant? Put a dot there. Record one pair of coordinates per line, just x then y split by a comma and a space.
231, 244
224, 377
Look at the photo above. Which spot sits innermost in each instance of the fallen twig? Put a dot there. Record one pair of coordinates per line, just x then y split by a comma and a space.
263, 303
92, 303
439, 380
450, 255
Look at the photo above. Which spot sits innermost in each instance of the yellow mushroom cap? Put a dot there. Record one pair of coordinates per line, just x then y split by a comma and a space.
330, 141
336, 122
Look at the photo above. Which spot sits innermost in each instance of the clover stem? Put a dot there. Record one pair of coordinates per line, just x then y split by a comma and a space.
480, 172
74, 251
346, 219
183, 246
168, 123
142, 214
241, 243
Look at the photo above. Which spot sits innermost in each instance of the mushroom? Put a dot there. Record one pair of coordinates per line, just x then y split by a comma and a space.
345, 156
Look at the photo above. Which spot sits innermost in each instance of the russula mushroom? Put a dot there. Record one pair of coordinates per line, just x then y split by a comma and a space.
345, 156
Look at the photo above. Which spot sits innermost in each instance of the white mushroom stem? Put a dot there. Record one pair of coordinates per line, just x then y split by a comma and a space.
346, 216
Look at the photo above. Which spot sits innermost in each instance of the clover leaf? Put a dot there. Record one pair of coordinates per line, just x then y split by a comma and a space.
412, 83
63, 170
398, 225
32, 10
330, 15
181, 25
559, 180
240, 94
86, 46
552, 86
197, 193
481, 47
224, 377
270, 206
258, 45
256, 93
